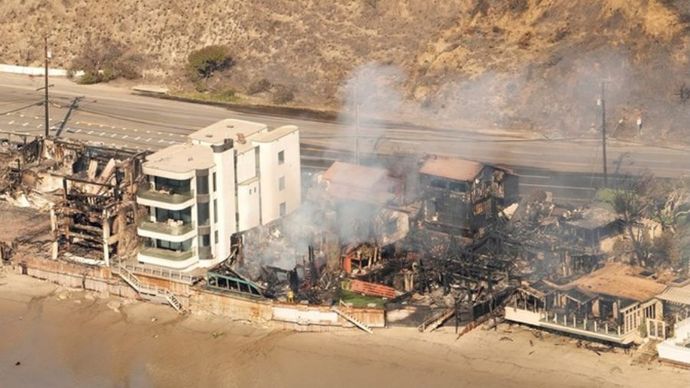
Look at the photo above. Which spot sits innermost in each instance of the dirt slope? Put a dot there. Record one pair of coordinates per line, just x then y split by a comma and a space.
508, 63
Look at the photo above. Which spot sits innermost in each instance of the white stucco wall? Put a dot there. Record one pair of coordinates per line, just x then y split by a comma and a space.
248, 205
271, 171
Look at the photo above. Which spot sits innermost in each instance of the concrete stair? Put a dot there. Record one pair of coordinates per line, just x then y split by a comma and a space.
146, 291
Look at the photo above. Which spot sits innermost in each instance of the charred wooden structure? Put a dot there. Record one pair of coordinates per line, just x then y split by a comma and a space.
96, 217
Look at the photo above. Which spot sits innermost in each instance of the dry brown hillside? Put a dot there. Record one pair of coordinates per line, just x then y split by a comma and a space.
507, 63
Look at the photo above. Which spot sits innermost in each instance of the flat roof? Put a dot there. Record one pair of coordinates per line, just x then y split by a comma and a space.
181, 158
619, 280
273, 135
216, 133
452, 168
354, 175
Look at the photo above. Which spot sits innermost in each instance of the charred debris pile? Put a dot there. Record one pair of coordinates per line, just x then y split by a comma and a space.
459, 245
88, 191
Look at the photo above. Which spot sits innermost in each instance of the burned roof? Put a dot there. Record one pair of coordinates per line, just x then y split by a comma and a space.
452, 168
354, 175
593, 217
619, 280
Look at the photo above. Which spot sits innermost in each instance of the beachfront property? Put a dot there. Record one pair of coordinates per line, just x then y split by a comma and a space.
227, 178
677, 348
612, 304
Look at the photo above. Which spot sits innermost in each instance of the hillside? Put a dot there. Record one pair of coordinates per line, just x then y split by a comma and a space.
532, 64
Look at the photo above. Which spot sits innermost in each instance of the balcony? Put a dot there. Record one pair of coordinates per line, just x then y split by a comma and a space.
171, 228
165, 199
167, 254
165, 196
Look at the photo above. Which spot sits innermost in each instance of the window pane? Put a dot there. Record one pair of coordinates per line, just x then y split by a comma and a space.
215, 211
202, 213
202, 185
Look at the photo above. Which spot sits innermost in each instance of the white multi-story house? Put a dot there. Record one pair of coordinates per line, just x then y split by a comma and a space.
229, 177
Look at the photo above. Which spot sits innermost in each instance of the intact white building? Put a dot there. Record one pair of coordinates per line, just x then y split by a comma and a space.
229, 177
677, 348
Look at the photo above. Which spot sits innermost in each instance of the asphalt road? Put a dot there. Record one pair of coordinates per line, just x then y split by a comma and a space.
113, 116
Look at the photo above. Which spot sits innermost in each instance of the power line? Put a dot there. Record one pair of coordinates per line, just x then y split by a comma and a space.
112, 116
39, 103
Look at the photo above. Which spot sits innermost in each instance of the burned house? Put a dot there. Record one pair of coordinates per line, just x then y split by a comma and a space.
461, 196
366, 201
592, 225
95, 220
609, 304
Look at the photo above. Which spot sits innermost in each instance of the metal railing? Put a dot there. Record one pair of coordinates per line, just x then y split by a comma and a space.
163, 273
166, 228
591, 325
145, 289
162, 196
167, 254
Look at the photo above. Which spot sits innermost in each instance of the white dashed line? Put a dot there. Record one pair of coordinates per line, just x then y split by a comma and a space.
124, 136
90, 132
113, 135
11, 122
149, 139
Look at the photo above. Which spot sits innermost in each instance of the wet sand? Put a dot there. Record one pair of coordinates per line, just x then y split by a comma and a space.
64, 338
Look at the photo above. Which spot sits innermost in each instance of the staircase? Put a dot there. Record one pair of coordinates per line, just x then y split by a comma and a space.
436, 320
148, 292
352, 320
646, 353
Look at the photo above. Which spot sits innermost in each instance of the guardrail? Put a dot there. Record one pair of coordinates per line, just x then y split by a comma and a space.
161, 273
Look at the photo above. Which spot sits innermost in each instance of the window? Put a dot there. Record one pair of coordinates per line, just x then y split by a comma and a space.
214, 182
215, 237
205, 240
281, 157
202, 212
184, 215
283, 209
281, 183
215, 211
202, 185
173, 186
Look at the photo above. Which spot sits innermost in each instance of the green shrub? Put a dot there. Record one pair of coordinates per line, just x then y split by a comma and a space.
202, 63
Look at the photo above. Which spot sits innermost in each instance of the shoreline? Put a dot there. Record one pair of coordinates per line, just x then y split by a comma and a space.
64, 337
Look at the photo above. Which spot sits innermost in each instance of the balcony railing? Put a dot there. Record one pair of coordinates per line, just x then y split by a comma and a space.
170, 228
165, 196
167, 254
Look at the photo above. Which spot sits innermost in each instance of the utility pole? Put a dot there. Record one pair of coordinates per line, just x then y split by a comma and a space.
603, 130
72, 107
45, 86
356, 92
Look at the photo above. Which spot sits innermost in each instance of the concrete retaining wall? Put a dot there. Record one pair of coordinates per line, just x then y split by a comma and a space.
209, 302
200, 301
75, 276
36, 71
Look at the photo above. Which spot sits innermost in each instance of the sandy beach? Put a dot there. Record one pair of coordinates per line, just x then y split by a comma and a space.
54, 337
